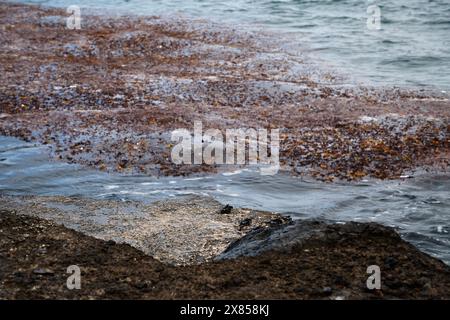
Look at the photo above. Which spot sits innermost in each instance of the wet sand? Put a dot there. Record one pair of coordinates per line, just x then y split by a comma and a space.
109, 95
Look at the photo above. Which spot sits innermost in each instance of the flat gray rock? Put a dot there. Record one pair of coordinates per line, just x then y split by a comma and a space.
186, 230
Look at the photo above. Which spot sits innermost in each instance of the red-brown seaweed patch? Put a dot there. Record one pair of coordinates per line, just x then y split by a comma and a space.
109, 95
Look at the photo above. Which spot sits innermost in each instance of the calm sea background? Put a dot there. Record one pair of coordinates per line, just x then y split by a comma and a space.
412, 48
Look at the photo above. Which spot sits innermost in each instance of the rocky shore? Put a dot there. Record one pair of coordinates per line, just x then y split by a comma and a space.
109, 95
181, 231
317, 260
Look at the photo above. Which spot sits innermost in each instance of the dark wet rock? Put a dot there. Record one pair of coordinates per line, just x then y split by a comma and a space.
321, 269
282, 237
275, 237
245, 223
226, 209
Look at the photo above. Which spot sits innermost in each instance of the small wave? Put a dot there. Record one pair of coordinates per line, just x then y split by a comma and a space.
437, 22
412, 61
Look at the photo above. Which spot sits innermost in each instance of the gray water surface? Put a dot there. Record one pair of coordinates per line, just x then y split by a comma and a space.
419, 207
412, 48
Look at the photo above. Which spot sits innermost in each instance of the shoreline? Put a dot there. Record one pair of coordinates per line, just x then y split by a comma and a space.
182, 231
328, 262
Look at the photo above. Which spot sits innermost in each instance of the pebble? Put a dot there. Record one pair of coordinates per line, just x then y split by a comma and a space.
43, 271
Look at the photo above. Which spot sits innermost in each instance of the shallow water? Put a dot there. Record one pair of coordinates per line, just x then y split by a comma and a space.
418, 207
412, 48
